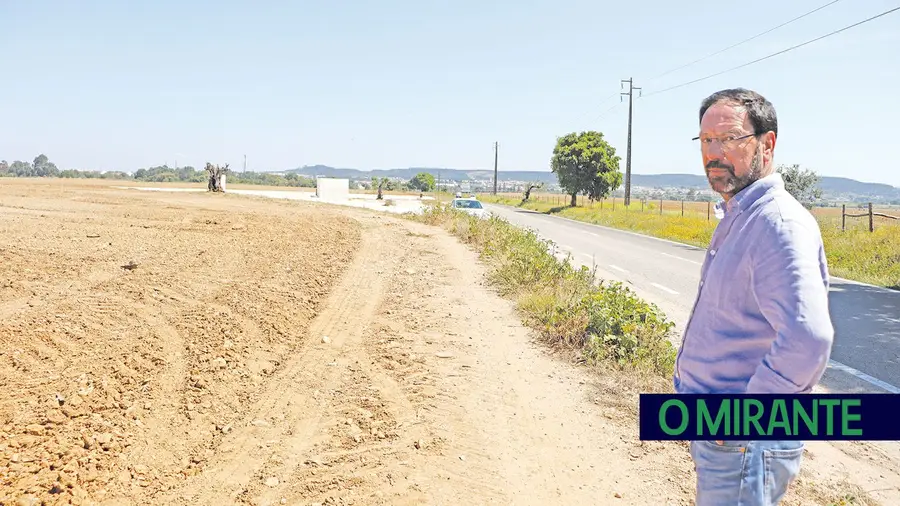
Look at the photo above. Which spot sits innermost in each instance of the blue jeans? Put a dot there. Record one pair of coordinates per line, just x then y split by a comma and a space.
745, 473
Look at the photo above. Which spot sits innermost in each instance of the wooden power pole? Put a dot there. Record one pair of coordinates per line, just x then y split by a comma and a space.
496, 145
630, 94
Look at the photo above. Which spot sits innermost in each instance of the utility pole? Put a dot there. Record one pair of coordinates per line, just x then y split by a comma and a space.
496, 145
630, 94
245, 163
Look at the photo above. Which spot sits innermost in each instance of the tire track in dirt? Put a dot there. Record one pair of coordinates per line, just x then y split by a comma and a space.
58, 291
122, 382
167, 390
288, 415
397, 435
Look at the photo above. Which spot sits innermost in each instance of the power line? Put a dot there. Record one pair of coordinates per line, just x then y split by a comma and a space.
604, 113
588, 111
774, 54
745, 40
608, 98
614, 94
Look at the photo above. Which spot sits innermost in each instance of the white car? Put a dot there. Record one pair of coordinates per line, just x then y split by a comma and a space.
471, 206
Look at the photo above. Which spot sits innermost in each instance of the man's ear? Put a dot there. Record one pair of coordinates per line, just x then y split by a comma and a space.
768, 145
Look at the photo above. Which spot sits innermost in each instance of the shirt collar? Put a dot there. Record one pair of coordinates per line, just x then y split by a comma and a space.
746, 197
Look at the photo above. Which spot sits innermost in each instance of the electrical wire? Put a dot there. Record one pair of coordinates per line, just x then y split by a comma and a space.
745, 40
773, 54
587, 111
613, 95
604, 113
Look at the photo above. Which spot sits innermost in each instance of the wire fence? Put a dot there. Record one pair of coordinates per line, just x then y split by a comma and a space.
706, 209
871, 214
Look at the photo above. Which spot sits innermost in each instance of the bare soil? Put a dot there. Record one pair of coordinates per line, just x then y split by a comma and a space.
178, 348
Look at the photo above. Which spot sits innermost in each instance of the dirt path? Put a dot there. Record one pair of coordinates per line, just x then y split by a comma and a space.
322, 356
427, 391
430, 391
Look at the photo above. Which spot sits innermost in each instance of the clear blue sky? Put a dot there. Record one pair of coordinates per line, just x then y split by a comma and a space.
122, 85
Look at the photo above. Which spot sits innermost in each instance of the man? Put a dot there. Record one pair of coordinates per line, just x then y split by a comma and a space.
760, 323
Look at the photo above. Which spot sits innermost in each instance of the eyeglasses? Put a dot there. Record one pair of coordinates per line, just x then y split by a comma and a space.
729, 142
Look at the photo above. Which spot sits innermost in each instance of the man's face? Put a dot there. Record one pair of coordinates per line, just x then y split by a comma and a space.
731, 160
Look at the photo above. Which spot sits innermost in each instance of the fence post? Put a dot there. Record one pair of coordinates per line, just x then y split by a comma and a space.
871, 219
843, 217
660, 207
708, 206
642, 205
682, 207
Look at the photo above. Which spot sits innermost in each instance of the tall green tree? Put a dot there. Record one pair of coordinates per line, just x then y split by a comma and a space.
422, 181
803, 184
21, 169
43, 167
585, 163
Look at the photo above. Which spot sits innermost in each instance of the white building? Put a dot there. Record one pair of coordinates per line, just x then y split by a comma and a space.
332, 188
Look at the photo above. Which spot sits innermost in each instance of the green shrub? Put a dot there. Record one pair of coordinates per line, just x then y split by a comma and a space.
627, 330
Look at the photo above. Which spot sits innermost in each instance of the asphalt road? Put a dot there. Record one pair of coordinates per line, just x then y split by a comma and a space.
866, 352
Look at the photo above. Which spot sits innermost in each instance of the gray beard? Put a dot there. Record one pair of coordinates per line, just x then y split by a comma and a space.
733, 184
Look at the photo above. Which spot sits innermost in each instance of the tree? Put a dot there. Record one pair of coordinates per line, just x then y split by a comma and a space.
802, 184
422, 181
585, 163
44, 167
215, 177
21, 169
531, 186
379, 183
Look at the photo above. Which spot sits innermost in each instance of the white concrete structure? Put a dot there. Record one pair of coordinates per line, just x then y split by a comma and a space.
402, 203
223, 181
332, 188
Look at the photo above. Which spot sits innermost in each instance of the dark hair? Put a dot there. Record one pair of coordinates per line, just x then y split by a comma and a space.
760, 111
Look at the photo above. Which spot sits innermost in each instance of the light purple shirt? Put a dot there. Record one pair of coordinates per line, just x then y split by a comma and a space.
760, 323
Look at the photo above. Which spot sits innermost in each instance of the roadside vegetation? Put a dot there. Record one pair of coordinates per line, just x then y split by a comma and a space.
690, 229
603, 321
855, 253
623, 338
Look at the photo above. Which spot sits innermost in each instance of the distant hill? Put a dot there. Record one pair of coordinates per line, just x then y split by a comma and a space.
408, 173
670, 180
846, 185
833, 188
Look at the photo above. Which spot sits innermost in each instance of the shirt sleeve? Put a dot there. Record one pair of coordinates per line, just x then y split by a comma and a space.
790, 284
